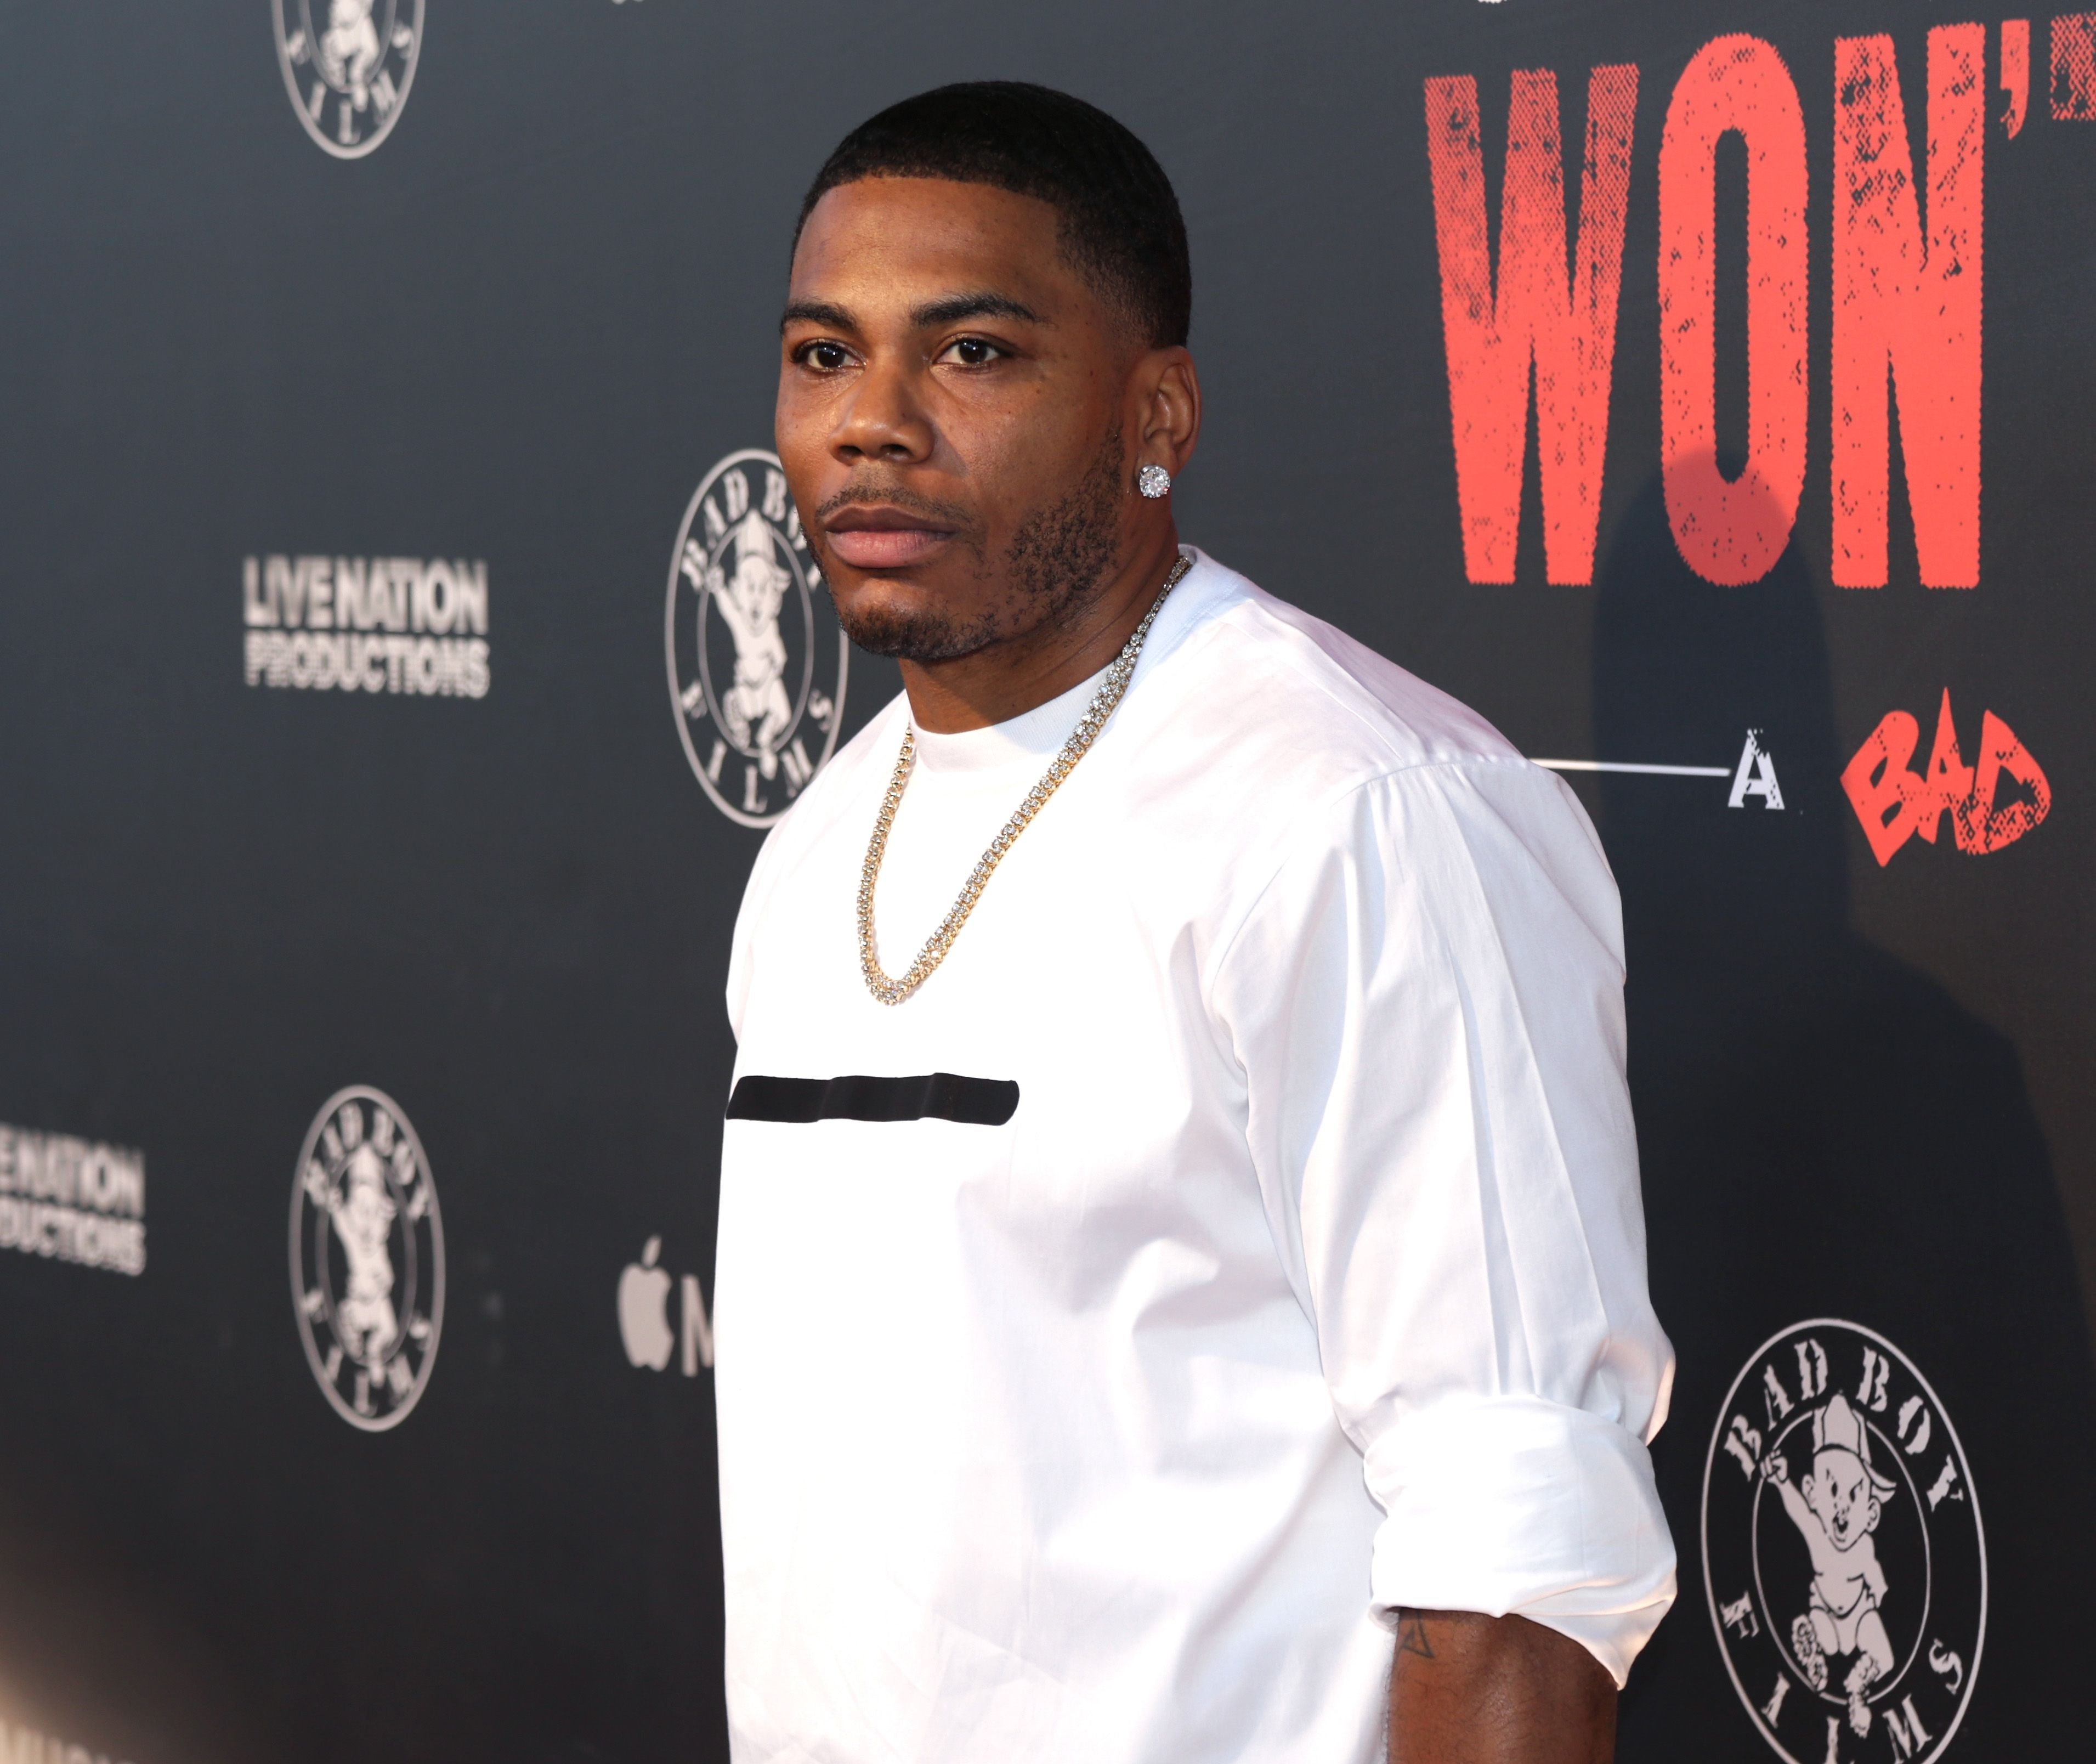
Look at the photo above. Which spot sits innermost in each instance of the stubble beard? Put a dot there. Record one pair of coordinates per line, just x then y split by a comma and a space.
1058, 561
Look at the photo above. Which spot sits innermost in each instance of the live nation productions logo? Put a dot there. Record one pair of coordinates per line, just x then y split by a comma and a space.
411, 625
76, 1200
757, 660
348, 65
1843, 1554
367, 1258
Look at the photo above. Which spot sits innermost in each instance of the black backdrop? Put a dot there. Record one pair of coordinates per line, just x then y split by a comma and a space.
517, 334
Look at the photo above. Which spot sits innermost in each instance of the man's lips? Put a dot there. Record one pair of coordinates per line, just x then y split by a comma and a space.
882, 538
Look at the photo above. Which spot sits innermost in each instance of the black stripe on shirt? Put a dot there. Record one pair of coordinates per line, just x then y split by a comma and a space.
939, 1096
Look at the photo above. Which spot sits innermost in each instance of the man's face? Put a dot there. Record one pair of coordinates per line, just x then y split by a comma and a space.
952, 403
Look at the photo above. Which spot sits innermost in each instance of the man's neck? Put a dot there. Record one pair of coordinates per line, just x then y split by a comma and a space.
1008, 679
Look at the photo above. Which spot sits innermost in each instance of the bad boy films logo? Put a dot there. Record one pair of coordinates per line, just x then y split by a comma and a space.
348, 65
1843, 1556
757, 659
367, 1258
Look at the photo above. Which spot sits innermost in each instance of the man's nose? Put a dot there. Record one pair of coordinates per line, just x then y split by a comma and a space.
884, 418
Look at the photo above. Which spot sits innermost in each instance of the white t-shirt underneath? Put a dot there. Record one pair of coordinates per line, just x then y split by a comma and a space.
1278, 1262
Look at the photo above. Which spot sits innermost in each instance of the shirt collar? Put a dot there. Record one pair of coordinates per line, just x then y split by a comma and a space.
1036, 735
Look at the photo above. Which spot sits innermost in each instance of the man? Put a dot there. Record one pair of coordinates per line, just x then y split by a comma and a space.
1181, 1291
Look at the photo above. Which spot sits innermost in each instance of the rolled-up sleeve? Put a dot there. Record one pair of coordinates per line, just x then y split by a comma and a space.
1426, 1001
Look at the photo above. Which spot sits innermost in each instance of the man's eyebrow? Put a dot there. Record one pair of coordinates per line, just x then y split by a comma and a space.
948, 311
957, 307
817, 312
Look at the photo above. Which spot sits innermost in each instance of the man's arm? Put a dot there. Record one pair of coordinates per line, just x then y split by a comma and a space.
1466, 1689
1427, 1003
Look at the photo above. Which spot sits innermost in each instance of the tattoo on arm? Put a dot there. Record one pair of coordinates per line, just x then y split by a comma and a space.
1465, 1689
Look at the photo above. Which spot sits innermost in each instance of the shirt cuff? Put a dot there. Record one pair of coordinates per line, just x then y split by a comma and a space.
1514, 1505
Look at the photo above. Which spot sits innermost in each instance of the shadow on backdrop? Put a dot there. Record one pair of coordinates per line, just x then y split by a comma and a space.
1825, 1133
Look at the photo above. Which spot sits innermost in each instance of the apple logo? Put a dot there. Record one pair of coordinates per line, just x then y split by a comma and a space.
644, 1310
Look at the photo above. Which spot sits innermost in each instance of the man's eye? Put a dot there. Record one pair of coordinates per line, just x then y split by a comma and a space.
973, 352
827, 356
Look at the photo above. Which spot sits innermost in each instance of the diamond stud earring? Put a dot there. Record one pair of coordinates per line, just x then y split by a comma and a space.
1153, 480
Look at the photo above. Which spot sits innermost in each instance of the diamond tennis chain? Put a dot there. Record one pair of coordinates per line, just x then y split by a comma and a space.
894, 992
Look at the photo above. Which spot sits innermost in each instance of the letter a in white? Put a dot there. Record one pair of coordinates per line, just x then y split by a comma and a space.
1756, 775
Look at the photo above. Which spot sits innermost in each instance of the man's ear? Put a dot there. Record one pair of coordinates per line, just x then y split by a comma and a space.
1168, 409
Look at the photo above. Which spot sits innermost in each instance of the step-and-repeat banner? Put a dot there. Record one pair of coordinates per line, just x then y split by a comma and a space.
408, 640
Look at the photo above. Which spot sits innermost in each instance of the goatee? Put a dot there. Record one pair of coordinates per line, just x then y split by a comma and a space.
1058, 559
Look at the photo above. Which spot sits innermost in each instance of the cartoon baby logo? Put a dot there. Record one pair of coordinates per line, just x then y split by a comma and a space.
755, 708
1843, 1554
349, 49
362, 1213
1836, 1506
348, 65
757, 660
367, 1258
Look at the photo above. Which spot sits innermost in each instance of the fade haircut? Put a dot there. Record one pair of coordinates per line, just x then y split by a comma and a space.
1120, 227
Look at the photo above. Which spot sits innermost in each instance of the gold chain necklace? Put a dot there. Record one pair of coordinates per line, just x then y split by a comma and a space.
894, 992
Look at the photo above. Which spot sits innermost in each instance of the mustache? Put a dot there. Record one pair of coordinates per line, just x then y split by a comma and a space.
943, 514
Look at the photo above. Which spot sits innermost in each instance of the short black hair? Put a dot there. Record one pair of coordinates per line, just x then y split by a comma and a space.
1120, 223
